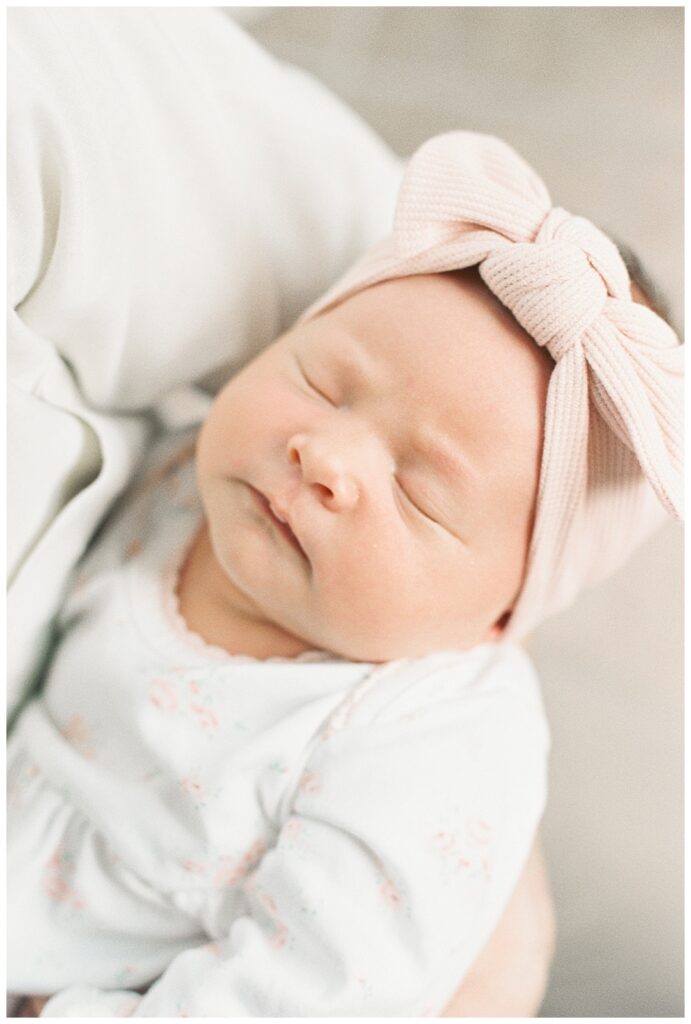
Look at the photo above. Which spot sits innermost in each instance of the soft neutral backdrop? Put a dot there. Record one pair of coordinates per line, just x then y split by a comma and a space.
593, 98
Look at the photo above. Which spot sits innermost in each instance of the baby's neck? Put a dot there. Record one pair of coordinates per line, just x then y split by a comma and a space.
208, 602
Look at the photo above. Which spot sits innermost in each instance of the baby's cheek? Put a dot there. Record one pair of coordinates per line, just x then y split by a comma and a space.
372, 602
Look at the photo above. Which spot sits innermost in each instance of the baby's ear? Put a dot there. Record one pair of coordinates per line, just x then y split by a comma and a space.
499, 626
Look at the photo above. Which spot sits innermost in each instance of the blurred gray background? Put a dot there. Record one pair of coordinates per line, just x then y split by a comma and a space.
592, 97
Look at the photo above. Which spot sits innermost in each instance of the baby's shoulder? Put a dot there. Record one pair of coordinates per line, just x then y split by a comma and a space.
449, 730
490, 687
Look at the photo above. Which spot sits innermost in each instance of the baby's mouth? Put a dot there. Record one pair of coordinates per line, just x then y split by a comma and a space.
280, 524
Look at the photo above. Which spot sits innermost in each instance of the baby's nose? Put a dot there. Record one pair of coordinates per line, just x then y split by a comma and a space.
326, 470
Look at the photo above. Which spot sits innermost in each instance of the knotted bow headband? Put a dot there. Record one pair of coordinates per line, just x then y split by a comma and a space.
612, 451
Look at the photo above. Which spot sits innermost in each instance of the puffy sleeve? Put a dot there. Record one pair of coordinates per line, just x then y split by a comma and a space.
401, 843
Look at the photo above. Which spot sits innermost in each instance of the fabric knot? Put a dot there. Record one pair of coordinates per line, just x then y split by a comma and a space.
551, 288
561, 226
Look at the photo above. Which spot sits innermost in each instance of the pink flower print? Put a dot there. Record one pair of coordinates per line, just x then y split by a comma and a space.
486, 868
194, 867
445, 844
310, 783
18, 779
267, 900
390, 892
214, 948
205, 718
58, 881
77, 732
163, 695
191, 786
254, 853
478, 832
346, 708
363, 986
230, 871
280, 935
227, 873
195, 789
281, 932
292, 828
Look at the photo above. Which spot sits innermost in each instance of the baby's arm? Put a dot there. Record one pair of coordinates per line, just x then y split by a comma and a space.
510, 976
403, 844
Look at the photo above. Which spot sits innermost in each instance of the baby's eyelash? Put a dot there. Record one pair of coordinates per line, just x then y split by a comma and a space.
311, 385
427, 516
417, 508
318, 391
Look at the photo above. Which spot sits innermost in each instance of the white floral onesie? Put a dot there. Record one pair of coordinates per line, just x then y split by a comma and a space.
193, 833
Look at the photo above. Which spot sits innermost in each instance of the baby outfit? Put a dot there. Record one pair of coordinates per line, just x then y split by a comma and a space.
195, 833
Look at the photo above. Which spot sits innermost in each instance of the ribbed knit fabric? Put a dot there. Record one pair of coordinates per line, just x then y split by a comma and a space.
612, 452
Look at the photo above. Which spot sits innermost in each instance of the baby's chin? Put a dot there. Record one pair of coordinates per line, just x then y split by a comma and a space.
379, 649
292, 626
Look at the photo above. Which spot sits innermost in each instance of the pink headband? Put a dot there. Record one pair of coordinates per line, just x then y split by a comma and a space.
612, 451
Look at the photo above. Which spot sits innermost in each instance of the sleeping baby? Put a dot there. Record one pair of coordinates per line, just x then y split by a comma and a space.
289, 759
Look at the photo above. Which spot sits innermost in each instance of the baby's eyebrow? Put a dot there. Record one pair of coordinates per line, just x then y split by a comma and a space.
448, 458
351, 357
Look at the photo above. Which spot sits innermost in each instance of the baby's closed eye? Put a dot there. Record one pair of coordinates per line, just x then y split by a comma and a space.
421, 507
411, 501
309, 380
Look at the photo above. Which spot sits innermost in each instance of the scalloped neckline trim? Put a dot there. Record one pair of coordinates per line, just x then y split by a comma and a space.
170, 604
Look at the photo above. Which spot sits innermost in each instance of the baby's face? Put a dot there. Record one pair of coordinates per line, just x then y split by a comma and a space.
399, 434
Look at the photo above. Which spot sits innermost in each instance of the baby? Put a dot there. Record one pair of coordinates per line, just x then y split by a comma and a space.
287, 761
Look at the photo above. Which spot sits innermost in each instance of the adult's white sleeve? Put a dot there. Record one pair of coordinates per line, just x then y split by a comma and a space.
176, 197
400, 847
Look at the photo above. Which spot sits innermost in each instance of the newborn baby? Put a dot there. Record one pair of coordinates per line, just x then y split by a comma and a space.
287, 760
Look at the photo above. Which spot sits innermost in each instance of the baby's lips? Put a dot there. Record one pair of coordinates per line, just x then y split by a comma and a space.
280, 515
282, 520
287, 522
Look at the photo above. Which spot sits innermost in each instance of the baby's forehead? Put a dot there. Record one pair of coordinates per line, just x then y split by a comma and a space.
447, 331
